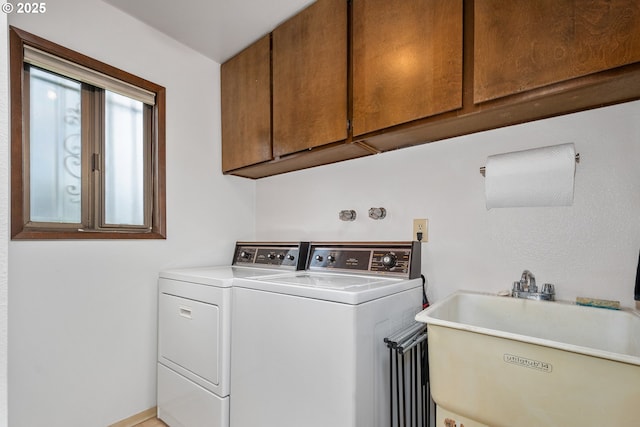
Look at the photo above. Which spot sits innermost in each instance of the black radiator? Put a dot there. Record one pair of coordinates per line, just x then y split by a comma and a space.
410, 403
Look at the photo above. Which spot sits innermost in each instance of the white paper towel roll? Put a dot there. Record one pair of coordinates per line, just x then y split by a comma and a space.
538, 177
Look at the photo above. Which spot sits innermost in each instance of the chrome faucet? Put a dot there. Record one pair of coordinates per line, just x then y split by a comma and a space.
528, 281
526, 288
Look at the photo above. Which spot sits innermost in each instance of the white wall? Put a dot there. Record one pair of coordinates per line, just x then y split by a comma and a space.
4, 208
82, 321
588, 249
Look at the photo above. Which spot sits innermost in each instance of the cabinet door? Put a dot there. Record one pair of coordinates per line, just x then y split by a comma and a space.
246, 106
407, 61
522, 44
310, 78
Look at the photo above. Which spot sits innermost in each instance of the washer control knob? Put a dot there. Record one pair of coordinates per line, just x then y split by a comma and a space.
389, 260
280, 256
245, 255
319, 258
290, 257
331, 258
271, 256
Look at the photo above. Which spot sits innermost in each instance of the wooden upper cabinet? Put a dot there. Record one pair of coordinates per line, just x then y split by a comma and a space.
310, 78
395, 69
246, 106
521, 45
407, 61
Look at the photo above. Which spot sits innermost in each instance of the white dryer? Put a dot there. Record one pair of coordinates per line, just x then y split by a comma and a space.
308, 348
194, 331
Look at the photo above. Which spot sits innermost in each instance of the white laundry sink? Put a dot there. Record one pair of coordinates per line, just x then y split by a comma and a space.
501, 361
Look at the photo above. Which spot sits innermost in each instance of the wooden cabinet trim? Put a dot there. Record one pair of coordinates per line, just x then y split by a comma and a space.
323, 155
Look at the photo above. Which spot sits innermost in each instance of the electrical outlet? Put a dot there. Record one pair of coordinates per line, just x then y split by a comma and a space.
420, 226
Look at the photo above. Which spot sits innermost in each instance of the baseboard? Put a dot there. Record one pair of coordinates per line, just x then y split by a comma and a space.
137, 418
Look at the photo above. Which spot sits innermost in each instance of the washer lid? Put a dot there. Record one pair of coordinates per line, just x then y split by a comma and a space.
343, 288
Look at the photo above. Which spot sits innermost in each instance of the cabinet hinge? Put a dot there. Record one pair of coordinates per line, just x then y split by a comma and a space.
348, 125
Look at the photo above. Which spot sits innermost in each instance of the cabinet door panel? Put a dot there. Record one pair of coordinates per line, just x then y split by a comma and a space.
246, 106
310, 78
407, 61
522, 44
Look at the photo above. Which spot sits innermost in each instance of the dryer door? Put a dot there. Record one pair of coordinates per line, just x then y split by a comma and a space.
189, 335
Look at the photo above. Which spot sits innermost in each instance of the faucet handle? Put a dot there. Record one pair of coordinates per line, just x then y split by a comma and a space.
517, 287
548, 288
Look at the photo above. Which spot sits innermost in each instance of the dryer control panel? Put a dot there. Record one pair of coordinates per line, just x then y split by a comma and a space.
289, 256
401, 259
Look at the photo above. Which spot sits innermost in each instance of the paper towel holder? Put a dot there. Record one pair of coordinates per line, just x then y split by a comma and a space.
483, 169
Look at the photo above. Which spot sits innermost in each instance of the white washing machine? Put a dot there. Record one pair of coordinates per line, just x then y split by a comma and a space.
308, 348
194, 331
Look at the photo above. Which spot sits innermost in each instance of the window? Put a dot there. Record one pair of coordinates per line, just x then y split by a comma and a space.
87, 146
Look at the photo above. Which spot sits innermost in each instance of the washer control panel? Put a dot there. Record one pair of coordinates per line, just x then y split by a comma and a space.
290, 256
400, 259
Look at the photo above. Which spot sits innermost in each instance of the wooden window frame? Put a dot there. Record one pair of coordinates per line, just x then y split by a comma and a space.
155, 119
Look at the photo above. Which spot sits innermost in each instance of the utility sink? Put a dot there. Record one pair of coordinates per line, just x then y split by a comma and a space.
500, 361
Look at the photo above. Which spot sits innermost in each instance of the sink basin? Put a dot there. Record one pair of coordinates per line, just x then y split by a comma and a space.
500, 361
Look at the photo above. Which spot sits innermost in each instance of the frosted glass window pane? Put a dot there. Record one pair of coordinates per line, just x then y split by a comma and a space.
54, 148
124, 160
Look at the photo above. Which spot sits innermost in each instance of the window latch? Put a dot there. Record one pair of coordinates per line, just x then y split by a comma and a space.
95, 162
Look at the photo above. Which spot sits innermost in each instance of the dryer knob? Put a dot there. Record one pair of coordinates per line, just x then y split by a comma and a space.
290, 257
245, 255
319, 258
331, 258
280, 256
389, 260
271, 256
